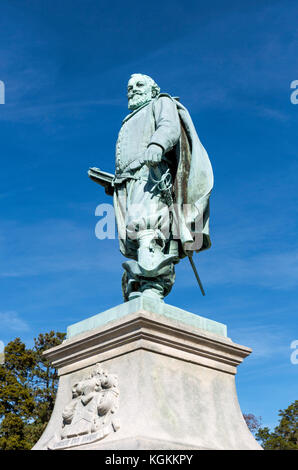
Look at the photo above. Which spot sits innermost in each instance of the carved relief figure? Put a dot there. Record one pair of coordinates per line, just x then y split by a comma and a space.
93, 405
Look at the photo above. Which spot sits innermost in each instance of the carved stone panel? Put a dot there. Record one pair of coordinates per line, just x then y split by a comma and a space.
90, 415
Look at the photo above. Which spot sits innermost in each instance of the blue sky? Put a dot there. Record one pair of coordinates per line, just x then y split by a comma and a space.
65, 66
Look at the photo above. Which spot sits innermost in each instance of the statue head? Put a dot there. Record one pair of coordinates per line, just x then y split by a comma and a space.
140, 90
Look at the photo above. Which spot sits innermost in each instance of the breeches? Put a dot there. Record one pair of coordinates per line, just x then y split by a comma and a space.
140, 205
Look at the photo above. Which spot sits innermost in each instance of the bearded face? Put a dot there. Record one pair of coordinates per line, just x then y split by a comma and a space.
139, 91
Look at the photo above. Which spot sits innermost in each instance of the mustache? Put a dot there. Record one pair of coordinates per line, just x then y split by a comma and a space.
132, 94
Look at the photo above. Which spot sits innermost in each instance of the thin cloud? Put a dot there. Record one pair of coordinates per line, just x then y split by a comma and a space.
267, 341
56, 246
11, 321
14, 113
277, 271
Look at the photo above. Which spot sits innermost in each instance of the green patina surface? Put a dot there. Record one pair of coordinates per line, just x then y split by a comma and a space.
151, 305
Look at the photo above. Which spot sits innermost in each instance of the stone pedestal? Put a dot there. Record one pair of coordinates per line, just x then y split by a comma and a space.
150, 376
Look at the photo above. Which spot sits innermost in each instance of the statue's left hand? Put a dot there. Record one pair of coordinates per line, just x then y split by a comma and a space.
153, 154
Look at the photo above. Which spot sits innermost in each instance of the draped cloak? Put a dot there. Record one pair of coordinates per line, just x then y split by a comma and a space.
192, 184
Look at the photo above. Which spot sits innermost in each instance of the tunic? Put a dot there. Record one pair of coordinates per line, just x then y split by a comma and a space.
139, 204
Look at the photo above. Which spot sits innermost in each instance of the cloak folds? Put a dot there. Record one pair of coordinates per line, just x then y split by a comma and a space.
192, 185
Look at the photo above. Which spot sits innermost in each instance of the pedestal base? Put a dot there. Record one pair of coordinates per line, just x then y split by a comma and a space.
175, 382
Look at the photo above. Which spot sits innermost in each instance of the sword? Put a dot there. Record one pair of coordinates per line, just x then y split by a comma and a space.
196, 273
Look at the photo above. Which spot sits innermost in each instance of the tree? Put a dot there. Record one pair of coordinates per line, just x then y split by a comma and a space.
16, 395
13, 434
285, 434
28, 386
45, 376
253, 423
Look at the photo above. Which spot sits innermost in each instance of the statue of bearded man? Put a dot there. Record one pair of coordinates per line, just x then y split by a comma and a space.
161, 189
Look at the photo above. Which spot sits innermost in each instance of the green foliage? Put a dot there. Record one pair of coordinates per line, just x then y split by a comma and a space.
285, 435
28, 386
12, 433
45, 376
16, 396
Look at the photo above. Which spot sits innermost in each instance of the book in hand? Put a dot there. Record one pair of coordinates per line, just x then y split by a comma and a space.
103, 178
